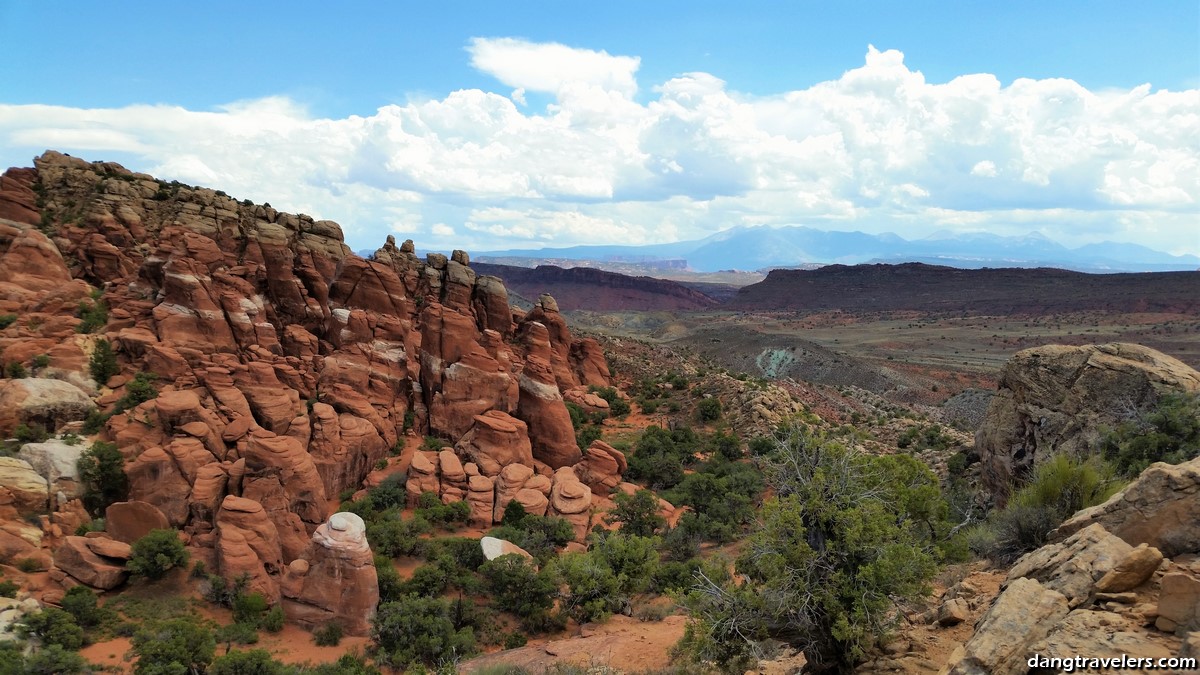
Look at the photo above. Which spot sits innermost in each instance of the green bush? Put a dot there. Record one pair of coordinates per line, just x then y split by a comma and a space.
617, 406
16, 370
52, 626
394, 537
415, 630
595, 591
639, 514
273, 620
516, 587
8, 589
1168, 433
137, 391
7, 320
249, 608
80, 603
30, 433
41, 361
50, 660
103, 363
540, 536
841, 541
94, 315
251, 662
157, 553
328, 635
1058, 488
237, 633
709, 410
660, 456
173, 646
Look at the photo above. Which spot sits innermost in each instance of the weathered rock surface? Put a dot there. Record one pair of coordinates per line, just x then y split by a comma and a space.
1056, 399
93, 561
40, 401
1073, 567
496, 440
336, 578
130, 521
22, 489
1021, 617
494, 548
1160, 508
56, 461
248, 543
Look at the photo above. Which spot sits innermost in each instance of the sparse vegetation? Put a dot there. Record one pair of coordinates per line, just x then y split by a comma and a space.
1170, 433
102, 471
157, 553
103, 363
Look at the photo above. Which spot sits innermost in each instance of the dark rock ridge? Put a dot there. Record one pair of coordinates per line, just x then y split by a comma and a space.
592, 289
930, 288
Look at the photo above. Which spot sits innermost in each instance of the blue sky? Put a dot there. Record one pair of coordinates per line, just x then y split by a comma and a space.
497, 125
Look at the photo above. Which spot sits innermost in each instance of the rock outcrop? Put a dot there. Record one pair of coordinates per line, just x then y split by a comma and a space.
1161, 508
285, 368
1056, 399
335, 578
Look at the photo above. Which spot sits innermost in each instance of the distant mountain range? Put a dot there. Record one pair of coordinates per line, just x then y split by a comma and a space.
760, 248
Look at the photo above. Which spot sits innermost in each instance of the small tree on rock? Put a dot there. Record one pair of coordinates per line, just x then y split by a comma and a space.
157, 553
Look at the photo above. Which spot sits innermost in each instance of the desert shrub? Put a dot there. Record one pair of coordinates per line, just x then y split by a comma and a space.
28, 565
433, 511
94, 315
1057, 489
930, 436
137, 391
585, 436
639, 514
434, 443
237, 633
1168, 433
427, 581
594, 591
157, 553
540, 536
41, 361
838, 545
51, 660
103, 363
515, 586
660, 456
7, 320
102, 472
173, 646
94, 422
413, 630
80, 602
617, 406
675, 576
391, 584
15, 370
30, 433
328, 635
725, 446
249, 608
394, 537
52, 626
348, 664
722, 495
709, 410
8, 589
273, 620
250, 662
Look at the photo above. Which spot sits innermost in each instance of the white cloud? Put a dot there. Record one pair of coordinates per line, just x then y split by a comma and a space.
877, 149
550, 67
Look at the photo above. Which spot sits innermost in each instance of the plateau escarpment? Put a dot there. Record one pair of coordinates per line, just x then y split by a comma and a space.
994, 292
599, 290
286, 367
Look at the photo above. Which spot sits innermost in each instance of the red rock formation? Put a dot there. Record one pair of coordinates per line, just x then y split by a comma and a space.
130, 521
335, 579
495, 441
248, 543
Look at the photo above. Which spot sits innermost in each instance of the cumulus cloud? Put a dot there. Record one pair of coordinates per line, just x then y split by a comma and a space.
878, 149
550, 67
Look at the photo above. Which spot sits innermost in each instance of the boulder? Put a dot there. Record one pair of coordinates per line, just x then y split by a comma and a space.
494, 548
1093, 634
130, 521
1131, 571
56, 461
510, 481
1161, 508
602, 467
22, 489
1021, 617
44, 402
1179, 602
337, 580
1073, 566
953, 612
1056, 398
571, 500
422, 477
78, 557
494, 441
